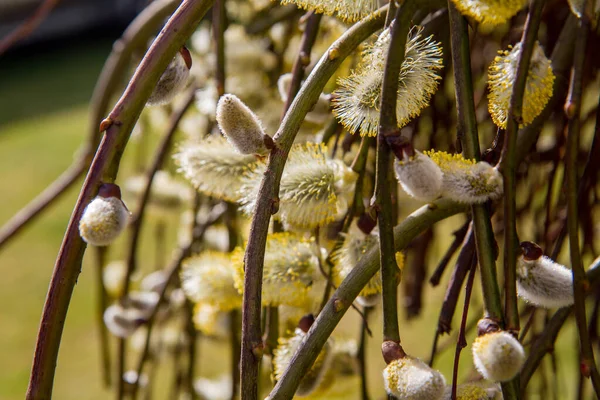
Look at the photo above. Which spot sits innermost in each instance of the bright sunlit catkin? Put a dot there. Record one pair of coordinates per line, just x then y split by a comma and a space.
409, 378
347, 10
241, 126
467, 181
541, 281
419, 176
314, 189
291, 274
489, 12
501, 77
105, 217
347, 257
173, 80
208, 278
356, 103
498, 356
214, 167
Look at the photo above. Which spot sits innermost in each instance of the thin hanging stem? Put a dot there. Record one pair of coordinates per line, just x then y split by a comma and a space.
102, 304
509, 163
580, 281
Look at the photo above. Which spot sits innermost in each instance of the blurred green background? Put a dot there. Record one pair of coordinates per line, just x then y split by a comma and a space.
44, 95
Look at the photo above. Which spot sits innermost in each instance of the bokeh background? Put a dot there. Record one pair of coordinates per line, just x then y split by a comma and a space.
45, 86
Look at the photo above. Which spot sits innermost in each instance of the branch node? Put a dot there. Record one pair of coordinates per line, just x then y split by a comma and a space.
338, 305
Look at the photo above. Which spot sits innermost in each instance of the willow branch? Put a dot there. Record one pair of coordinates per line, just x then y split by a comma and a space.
467, 133
349, 289
135, 36
514, 118
101, 305
267, 199
580, 281
105, 165
388, 128
28, 26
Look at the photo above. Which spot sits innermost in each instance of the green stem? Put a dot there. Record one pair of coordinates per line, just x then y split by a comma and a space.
349, 289
105, 164
509, 162
467, 133
388, 127
267, 199
580, 281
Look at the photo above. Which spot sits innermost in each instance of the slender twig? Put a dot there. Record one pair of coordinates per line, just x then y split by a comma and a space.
387, 129
349, 289
219, 24
509, 164
105, 165
102, 303
303, 58
28, 26
459, 235
267, 199
461, 341
270, 16
467, 133
580, 281
135, 35
198, 231
138, 218
361, 355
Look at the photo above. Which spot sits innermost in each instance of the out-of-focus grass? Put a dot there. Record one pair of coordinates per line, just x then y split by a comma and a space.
43, 120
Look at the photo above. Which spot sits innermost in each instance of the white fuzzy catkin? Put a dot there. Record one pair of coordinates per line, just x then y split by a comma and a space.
419, 176
240, 125
122, 322
409, 378
171, 82
465, 180
498, 356
103, 220
544, 283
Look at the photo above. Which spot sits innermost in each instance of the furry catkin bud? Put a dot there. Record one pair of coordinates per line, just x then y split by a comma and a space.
241, 126
122, 322
208, 278
541, 281
498, 356
409, 378
489, 12
347, 10
357, 101
173, 80
467, 181
284, 352
501, 78
215, 168
419, 176
142, 302
314, 189
291, 271
105, 217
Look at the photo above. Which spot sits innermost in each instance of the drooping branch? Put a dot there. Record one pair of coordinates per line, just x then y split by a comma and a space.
105, 166
349, 289
135, 36
580, 281
511, 240
267, 199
